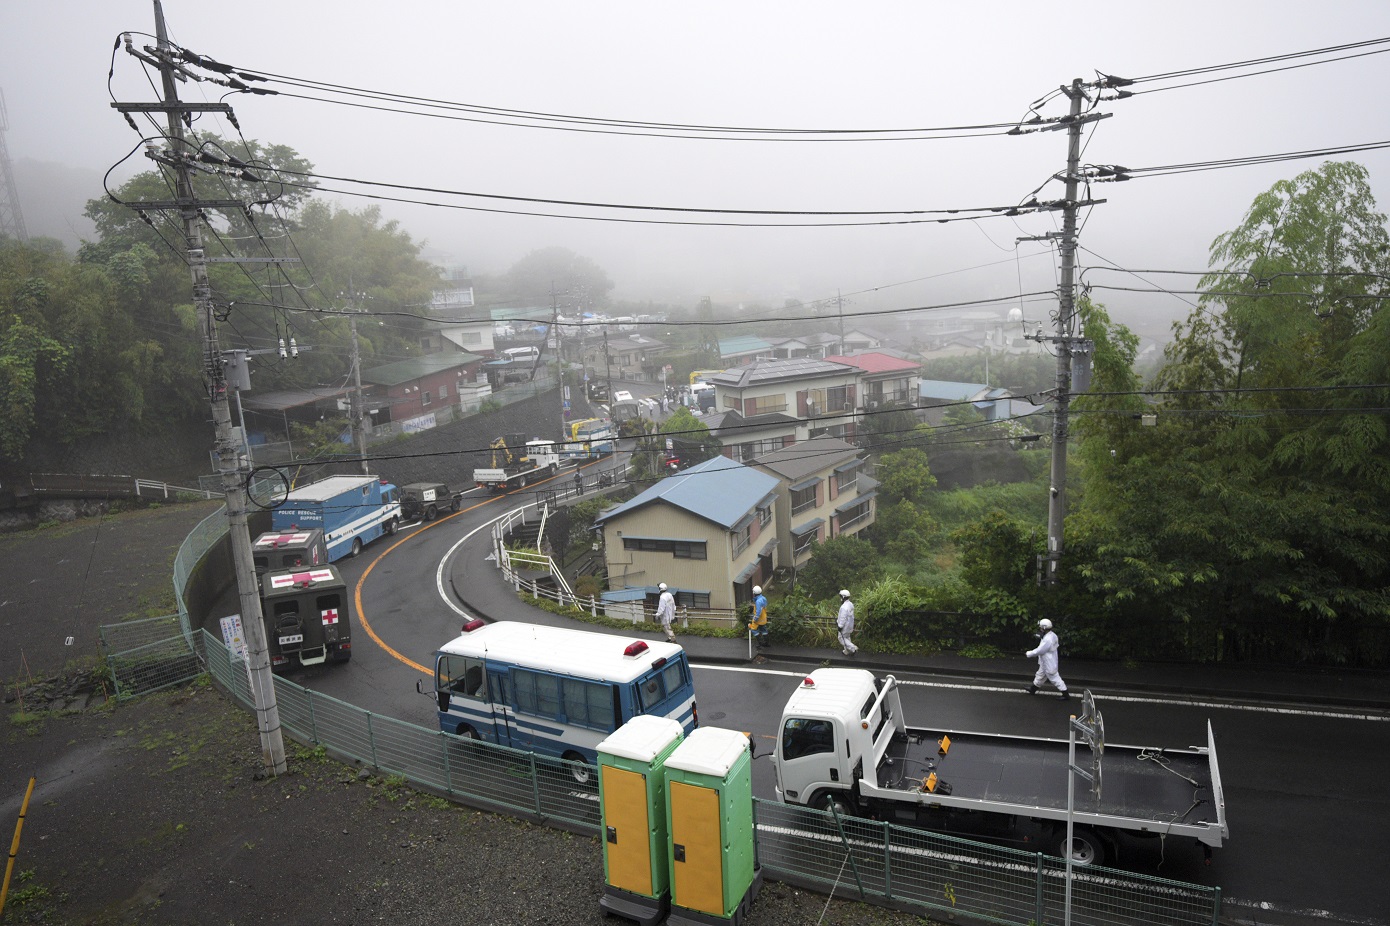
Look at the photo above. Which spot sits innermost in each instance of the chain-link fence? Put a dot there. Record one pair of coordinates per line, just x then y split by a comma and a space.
943, 874
879, 862
472, 771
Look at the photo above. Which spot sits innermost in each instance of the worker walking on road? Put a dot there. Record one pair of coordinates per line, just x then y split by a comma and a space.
758, 626
666, 612
1046, 651
845, 622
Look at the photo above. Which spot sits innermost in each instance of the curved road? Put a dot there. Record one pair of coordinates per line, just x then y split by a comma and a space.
1305, 793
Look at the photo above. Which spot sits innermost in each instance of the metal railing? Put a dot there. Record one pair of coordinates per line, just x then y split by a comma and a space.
146, 655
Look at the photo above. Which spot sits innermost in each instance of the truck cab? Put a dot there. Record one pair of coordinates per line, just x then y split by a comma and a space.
833, 722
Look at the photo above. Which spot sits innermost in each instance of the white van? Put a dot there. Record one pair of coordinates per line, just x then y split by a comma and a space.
521, 353
622, 395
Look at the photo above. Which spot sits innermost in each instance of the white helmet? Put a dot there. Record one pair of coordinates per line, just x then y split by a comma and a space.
662, 586
1044, 624
844, 593
757, 589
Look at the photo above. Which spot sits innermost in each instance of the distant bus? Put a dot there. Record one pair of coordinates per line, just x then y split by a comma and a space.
557, 691
702, 376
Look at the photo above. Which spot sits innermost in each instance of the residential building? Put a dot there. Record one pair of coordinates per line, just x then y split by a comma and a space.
936, 397
409, 394
821, 392
821, 493
887, 379
743, 349
743, 438
708, 532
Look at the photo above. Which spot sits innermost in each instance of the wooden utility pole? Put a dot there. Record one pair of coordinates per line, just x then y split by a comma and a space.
230, 463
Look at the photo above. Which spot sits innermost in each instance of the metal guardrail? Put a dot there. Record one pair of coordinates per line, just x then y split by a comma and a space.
878, 862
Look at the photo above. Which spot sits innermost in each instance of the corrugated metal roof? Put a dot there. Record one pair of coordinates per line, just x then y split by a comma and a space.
743, 344
719, 490
405, 371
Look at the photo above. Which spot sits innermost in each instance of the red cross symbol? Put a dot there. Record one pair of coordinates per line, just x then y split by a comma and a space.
330, 615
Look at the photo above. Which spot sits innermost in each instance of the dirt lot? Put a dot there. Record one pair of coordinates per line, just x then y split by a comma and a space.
153, 812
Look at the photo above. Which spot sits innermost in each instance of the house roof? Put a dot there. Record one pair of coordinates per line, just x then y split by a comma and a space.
719, 490
871, 361
772, 371
743, 344
290, 398
635, 342
405, 371
806, 457
728, 423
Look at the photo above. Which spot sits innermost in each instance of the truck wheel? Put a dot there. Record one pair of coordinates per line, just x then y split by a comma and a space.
454, 505
523, 482
1086, 846
842, 803
431, 513
356, 546
343, 655
578, 767
553, 468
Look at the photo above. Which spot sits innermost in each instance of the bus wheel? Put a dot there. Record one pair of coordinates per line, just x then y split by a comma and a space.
578, 767
391, 528
467, 732
356, 546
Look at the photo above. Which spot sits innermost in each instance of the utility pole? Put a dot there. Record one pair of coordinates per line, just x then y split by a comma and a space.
358, 412
225, 445
559, 364
1066, 314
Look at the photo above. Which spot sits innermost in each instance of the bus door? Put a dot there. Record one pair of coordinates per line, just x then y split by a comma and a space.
499, 693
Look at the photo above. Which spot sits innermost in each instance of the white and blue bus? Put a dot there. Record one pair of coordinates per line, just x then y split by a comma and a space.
556, 691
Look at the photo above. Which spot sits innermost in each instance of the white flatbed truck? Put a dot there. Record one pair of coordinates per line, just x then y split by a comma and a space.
515, 465
844, 742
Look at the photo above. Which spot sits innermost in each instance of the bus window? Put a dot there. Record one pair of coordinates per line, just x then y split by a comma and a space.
589, 704
654, 689
463, 675
536, 693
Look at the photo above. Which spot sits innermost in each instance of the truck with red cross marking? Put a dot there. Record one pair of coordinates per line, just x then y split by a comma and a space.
306, 617
276, 551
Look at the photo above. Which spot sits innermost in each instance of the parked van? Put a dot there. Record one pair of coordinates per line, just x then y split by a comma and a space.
521, 353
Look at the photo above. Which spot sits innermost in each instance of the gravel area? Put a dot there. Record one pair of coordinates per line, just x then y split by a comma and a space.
155, 812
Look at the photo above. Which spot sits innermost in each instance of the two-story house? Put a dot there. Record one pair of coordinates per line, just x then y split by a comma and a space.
742, 438
885, 380
822, 392
709, 533
410, 395
821, 493
743, 349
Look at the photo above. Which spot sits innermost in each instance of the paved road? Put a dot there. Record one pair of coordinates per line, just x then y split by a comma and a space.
1301, 753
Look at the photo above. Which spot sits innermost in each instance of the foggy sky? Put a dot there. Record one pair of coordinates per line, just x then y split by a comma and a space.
785, 64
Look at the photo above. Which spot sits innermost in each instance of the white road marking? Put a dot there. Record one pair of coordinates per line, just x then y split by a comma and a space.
444, 561
1133, 699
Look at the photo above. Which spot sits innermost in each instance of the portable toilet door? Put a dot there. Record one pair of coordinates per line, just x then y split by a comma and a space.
632, 801
709, 811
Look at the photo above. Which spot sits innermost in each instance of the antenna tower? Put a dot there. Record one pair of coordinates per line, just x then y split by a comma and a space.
11, 218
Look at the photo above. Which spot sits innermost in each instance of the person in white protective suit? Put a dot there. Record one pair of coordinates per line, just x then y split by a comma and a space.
844, 622
1046, 651
666, 612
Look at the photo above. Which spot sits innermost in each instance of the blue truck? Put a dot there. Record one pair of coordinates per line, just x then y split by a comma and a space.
352, 511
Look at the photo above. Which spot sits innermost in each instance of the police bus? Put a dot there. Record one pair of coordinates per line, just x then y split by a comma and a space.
557, 691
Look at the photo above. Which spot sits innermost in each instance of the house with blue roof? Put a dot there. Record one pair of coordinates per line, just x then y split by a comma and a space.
709, 533
996, 403
743, 349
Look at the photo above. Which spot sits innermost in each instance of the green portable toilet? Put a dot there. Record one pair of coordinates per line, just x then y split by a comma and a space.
709, 814
632, 800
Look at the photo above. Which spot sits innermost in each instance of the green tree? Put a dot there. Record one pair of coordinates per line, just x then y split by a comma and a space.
691, 438
1262, 490
905, 475
837, 563
579, 281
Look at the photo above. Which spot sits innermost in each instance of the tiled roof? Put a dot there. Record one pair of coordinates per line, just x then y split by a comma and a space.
876, 362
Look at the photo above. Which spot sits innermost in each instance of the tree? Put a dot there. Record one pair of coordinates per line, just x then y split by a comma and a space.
1262, 491
837, 563
581, 282
905, 475
692, 439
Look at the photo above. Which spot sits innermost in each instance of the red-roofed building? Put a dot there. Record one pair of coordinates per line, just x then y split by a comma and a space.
884, 378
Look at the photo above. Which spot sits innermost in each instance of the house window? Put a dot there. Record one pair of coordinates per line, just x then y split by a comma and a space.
804, 499
425, 343
832, 401
732, 401
765, 515
802, 543
847, 480
679, 549
856, 515
766, 404
742, 538
698, 601
425, 397
444, 391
